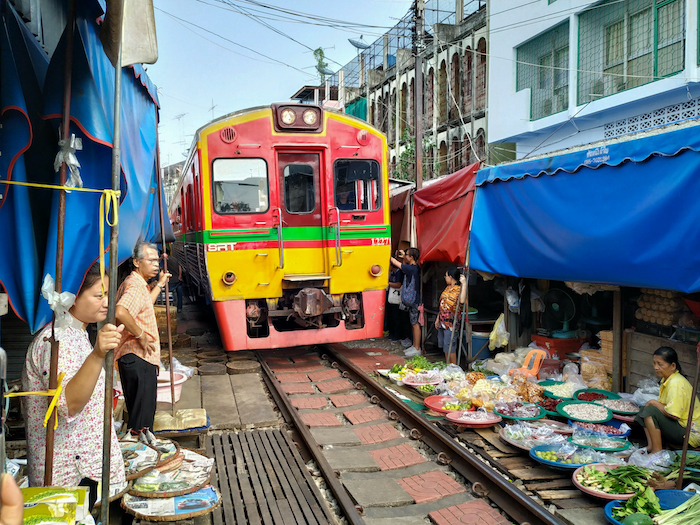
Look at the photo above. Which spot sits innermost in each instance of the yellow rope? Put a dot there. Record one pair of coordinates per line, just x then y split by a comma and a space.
109, 201
52, 393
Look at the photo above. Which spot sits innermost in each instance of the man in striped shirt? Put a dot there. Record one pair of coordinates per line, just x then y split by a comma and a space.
138, 355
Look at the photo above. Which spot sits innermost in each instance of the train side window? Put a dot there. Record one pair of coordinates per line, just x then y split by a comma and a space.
357, 184
299, 190
240, 186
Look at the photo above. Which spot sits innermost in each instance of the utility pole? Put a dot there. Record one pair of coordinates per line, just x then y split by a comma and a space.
418, 7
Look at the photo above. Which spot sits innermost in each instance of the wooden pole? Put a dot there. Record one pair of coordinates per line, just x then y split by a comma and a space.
617, 341
112, 294
65, 135
689, 425
165, 268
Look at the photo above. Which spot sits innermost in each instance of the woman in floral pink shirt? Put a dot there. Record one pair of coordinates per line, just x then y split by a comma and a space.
78, 439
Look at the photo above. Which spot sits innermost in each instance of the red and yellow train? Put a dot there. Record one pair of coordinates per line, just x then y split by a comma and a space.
281, 220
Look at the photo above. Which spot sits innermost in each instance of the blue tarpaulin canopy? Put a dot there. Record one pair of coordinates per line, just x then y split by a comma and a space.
626, 213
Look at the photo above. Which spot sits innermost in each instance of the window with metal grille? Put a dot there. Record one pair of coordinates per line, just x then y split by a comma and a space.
543, 67
623, 45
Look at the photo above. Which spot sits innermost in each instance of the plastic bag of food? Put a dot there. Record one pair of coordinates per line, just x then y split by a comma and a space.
182, 369
648, 390
453, 372
499, 336
443, 390
660, 460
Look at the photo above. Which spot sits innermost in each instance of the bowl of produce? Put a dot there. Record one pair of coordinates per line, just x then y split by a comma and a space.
550, 406
560, 458
610, 428
584, 411
619, 406
518, 410
447, 404
420, 379
591, 394
558, 389
474, 419
641, 508
426, 390
613, 482
602, 443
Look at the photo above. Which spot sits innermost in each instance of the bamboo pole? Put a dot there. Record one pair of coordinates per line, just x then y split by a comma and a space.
112, 294
165, 268
689, 425
65, 135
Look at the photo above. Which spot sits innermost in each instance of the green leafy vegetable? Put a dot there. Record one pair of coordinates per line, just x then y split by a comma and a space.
644, 502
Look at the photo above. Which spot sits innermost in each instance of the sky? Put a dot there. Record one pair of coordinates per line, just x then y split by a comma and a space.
200, 67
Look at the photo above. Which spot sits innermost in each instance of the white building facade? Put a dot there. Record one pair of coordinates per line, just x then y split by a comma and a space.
563, 73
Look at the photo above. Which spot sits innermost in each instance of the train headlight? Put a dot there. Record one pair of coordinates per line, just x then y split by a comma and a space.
376, 270
288, 116
228, 278
310, 117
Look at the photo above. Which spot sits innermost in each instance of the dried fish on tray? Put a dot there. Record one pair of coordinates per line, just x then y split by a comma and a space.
192, 474
176, 508
139, 458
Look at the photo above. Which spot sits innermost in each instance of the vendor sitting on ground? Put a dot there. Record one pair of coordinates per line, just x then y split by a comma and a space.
665, 419
77, 458
454, 295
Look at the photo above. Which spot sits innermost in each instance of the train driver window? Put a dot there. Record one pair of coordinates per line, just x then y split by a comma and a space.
240, 186
299, 190
357, 185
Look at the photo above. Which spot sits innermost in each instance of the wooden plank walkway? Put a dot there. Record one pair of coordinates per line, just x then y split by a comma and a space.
263, 481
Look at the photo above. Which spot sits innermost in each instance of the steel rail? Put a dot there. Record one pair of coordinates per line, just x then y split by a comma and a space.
485, 481
290, 414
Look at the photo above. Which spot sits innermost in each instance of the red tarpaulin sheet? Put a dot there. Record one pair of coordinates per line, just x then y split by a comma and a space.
443, 211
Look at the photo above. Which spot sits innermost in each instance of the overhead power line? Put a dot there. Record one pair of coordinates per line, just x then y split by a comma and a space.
232, 42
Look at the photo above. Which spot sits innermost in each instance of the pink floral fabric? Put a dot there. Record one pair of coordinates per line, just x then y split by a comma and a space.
78, 438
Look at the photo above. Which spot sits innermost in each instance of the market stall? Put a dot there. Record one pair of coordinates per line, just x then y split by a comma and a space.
615, 213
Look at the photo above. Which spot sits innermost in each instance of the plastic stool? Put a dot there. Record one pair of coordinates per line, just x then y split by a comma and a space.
538, 356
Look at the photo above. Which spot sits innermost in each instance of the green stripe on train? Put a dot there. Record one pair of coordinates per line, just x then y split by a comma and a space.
308, 233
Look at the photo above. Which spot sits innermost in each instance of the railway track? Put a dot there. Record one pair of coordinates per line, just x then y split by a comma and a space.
381, 458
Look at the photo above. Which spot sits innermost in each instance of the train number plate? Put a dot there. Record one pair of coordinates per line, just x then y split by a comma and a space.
381, 241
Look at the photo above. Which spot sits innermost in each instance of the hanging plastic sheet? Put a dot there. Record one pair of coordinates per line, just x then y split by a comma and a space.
624, 214
92, 103
443, 212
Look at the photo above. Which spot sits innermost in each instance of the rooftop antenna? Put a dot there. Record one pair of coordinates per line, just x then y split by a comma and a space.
359, 43
212, 108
